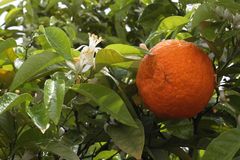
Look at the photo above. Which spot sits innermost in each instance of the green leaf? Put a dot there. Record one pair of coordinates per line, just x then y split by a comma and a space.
124, 49
209, 30
233, 69
183, 35
182, 129
203, 12
233, 101
130, 65
69, 80
39, 115
61, 150
71, 31
32, 137
59, 40
120, 29
12, 15
185, 2
41, 40
9, 100
128, 139
179, 152
11, 55
54, 92
227, 109
158, 154
146, 2
223, 147
105, 154
154, 13
32, 66
3, 2
154, 38
30, 12
120, 9
172, 22
8, 43
231, 5
108, 100
107, 57
51, 4
119, 5
227, 35
7, 127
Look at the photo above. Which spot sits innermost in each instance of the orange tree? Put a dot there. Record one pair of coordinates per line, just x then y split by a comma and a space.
68, 70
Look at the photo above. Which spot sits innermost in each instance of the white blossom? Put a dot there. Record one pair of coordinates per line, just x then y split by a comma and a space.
86, 59
18, 63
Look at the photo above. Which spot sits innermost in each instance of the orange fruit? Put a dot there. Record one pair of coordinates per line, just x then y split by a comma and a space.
6, 77
176, 80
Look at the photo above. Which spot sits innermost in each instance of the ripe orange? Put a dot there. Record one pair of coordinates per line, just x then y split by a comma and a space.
176, 80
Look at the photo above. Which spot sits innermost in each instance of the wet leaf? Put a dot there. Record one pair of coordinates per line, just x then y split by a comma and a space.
54, 92
9, 100
39, 115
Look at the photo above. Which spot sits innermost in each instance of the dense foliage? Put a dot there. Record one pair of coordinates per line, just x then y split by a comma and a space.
58, 102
